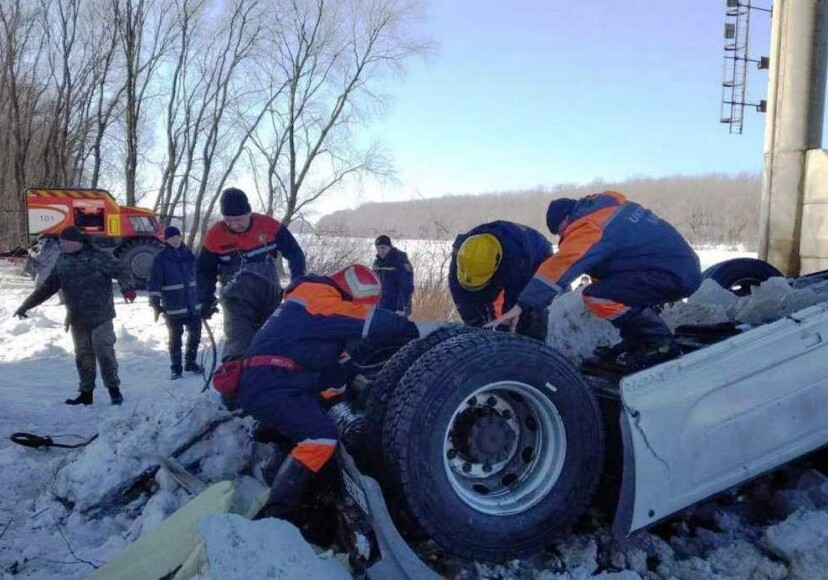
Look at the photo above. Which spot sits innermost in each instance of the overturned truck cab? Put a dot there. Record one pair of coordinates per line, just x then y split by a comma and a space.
492, 444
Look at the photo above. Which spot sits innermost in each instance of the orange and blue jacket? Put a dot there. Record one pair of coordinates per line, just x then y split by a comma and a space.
604, 236
224, 252
312, 327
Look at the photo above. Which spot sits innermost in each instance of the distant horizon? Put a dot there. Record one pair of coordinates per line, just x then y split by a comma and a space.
543, 188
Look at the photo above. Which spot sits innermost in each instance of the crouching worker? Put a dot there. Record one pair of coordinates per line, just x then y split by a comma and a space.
295, 357
490, 266
172, 291
636, 261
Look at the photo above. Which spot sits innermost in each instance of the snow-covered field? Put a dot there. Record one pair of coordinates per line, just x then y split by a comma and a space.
64, 512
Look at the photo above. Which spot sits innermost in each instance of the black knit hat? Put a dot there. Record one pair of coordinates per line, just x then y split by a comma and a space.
171, 232
558, 211
72, 234
383, 240
234, 202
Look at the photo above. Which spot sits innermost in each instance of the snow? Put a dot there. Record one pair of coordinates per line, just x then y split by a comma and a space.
238, 549
62, 512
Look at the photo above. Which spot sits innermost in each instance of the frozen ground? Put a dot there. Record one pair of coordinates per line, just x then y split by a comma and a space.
64, 512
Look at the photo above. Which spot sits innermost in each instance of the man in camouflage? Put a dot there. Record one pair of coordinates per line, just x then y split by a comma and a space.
84, 273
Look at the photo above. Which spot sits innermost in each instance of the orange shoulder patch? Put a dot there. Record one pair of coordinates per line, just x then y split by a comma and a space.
323, 300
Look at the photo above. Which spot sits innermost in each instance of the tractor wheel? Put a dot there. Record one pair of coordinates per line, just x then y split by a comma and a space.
497, 445
741, 274
389, 377
138, 257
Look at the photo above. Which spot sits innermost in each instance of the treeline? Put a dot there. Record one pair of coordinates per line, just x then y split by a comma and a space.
166, 102
709, 209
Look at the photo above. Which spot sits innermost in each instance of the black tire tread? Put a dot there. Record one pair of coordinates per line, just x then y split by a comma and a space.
729, 272
399, 425
382, 390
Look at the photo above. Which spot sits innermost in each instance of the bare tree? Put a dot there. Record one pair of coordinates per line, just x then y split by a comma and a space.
181, 128
146, 33
223, 97
329, 53
108, 87
23, 49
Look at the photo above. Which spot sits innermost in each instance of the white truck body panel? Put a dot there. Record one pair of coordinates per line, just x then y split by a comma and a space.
718, 417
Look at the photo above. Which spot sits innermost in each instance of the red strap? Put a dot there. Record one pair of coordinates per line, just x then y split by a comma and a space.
273, 361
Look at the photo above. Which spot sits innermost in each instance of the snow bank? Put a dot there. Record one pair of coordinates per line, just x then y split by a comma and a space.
576, 332
127, 446
239, 549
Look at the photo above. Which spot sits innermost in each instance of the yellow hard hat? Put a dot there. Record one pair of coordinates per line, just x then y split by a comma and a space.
477, 260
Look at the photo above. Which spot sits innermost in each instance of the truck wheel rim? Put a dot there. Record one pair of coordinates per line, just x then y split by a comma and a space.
743, 286
141, 265
504, 448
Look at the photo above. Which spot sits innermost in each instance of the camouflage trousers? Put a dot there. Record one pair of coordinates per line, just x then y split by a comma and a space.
91, 345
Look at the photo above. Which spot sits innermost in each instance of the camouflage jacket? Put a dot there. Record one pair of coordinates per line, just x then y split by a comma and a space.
86, 281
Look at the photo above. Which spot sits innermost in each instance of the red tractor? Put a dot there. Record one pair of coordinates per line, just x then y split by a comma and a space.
132, 234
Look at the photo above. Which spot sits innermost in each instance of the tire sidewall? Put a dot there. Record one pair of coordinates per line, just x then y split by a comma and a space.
434, 502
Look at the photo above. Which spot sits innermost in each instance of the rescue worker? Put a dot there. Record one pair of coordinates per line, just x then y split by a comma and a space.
490, 266
294, 361
172, 292
636, 261
239, 251
84, 273
396, 276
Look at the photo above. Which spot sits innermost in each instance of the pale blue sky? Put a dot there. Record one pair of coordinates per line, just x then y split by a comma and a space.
527, 92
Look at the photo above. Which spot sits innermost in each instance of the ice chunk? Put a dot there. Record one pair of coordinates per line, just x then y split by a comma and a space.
238, 549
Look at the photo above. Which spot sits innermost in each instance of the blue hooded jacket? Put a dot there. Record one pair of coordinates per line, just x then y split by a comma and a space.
524, 249
605, 236
397, 278
312, 328
172, 282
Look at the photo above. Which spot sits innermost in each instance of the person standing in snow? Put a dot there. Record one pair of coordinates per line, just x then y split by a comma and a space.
295, 362
396, 276
239, 251
172, 292
490, 265
636, 260
84, 273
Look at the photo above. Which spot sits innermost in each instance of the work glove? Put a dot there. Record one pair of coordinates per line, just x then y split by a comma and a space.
426, 328
129, 295
20, 313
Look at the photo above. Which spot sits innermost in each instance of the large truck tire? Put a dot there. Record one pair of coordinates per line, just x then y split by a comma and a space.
389, 377
740, 275
137, 256
497, 445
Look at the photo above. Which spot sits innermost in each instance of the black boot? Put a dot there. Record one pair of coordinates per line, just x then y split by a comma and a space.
193, 368
289, 485
116, 396
84, 398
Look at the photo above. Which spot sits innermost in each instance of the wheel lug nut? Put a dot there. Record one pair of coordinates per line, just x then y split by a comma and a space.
467, 467
472, 402
451, 454
487, 468
491, 401
506, 414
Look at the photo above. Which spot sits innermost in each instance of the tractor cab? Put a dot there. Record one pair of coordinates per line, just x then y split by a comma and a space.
133, 234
